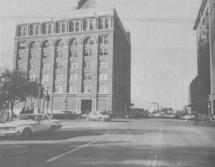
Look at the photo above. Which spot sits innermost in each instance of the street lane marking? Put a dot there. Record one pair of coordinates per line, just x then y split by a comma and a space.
73, 150
156, 149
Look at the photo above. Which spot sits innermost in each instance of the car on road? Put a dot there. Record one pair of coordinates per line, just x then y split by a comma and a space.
188, 117
98, 116
65, 115
28, 124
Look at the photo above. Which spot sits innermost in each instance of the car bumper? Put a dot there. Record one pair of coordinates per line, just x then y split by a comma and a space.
9, 133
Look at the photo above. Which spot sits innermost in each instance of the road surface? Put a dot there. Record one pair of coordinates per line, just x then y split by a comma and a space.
121, 143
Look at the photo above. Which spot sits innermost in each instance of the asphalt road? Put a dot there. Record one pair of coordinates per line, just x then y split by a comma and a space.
127, 143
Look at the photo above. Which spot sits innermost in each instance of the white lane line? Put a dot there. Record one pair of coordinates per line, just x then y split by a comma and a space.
76, 149
156, 149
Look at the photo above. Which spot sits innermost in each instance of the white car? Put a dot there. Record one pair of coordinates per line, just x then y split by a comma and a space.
188, 117
27, 124
98, 116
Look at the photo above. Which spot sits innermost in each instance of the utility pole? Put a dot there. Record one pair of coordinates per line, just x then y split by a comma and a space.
38, 100
47, 99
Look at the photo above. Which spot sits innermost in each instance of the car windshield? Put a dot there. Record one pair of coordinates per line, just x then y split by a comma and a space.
27, 117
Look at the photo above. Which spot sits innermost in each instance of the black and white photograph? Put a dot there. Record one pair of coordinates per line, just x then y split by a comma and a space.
107, 83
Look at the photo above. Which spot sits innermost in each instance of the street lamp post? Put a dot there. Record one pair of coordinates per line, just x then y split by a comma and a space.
47, 99
38, 100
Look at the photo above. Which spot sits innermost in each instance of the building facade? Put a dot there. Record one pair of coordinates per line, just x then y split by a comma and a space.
205, 28
194, 96
83, 60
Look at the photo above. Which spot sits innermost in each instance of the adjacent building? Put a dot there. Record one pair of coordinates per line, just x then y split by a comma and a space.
82, 60
205, 81
194, 96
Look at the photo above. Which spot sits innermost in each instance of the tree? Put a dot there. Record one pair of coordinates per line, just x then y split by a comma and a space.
15, 87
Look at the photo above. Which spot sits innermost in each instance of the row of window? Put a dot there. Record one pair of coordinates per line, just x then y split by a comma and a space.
73, 88
89, 76
86, 89
64, 26
103, 51
73, 65
73, 77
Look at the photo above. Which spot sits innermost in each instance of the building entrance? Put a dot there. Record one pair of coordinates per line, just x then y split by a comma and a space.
86, 106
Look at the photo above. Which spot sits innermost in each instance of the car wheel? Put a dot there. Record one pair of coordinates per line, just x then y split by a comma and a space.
26, 133
52, 130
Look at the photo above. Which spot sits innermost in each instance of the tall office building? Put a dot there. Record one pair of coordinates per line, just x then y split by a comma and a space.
83, 59
205, 30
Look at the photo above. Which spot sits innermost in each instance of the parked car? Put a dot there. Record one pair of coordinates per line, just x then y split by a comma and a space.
65, 115
98, 116
188, 117
28, 124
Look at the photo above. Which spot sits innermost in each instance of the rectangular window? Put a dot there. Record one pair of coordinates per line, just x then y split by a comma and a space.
32, 77
73, 89
85, 25
73, 53
88, 76
88, 52
63, 27
37, 29
71, 26
102, 89
92, 24
58, 27
103, 51
32, 67
106, 23
87, 88
103, 76
103, 64
45, 77
59, 77
100, 23
88, 64
77, 26
74, 65
46, 66
73, 77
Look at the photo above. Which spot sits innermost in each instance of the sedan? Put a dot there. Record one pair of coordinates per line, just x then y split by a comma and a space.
98, 116
28, 124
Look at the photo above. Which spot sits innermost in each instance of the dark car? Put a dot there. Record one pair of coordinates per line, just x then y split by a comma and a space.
65, 115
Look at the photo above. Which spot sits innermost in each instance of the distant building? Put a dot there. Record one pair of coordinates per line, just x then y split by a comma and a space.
83, 60
194, 96
205, 28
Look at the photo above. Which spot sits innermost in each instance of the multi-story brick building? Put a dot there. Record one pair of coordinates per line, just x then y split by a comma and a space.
83, 59
205, 28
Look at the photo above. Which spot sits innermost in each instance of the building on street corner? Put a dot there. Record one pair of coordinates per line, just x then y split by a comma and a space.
205, 30
82, 59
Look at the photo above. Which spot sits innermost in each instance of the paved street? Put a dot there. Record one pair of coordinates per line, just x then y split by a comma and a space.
127, 143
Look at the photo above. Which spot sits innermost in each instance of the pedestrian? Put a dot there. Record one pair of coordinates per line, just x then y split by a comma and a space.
22, 111
28, 110
31, 108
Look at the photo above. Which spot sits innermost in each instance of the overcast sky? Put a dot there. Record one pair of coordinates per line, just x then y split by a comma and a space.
163, 43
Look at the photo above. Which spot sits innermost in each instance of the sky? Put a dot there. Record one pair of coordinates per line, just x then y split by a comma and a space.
164, 60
